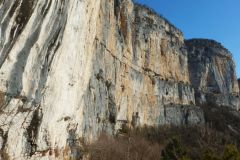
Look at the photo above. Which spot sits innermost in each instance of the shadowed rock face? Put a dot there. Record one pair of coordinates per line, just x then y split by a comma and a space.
70, 70
212, 73
239, 82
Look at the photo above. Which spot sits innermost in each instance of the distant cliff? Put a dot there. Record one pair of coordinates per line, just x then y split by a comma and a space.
212, 73
70, 70
239, 83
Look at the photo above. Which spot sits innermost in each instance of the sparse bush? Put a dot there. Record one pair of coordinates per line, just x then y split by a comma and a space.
231, 153
197, 143
174, 151
212, 141
209, 155
124, 147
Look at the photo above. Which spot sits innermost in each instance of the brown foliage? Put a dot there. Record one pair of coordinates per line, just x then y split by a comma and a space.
123, 148
148, 142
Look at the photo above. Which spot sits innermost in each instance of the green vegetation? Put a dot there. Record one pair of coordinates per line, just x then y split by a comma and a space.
230, 153
174, 151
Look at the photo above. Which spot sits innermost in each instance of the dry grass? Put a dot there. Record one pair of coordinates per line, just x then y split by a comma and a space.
147, 143
124, 148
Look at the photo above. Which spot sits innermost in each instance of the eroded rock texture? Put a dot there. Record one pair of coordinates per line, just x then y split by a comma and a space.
239, 83
70, 70
212, 73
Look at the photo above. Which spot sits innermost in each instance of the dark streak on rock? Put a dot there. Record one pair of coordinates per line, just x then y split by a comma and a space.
116, 7
3, 152
32, 130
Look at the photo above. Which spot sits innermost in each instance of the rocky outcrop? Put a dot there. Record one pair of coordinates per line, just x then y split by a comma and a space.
70, 70
73, 69
212, 73
239, 82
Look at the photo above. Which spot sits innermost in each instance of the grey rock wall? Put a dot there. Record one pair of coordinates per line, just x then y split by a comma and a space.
239, 82
70, 70
73, 69
212, 73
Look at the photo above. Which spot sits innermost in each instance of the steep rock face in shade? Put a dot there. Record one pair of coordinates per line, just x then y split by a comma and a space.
72, 69
239, 88
212, 73
239, 83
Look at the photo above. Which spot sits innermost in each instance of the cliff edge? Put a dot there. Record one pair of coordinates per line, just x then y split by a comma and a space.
212, 73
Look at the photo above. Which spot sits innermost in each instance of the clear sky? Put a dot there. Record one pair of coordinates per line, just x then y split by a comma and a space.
213, 19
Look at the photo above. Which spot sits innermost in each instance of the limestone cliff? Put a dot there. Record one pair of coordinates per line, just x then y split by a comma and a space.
239, 83
212, 73
70, 70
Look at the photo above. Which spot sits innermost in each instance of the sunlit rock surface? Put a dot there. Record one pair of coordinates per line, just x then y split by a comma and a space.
70, 70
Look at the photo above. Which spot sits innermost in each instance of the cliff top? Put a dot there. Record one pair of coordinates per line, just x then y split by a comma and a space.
199, 42
158, 15
208, 43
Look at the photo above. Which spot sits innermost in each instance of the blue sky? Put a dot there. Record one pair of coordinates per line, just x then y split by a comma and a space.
213, 19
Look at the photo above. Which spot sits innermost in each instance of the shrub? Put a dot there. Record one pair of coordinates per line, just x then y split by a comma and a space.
124, 147
147, 143
174, 151
210, 155
231, 153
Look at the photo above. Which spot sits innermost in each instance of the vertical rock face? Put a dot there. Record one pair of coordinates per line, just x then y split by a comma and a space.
73, 69
70, 70
212, 73
239, 83
239, 88
46, 54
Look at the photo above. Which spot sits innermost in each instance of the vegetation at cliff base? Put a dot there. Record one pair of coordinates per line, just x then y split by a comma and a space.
166, 143
217, 139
